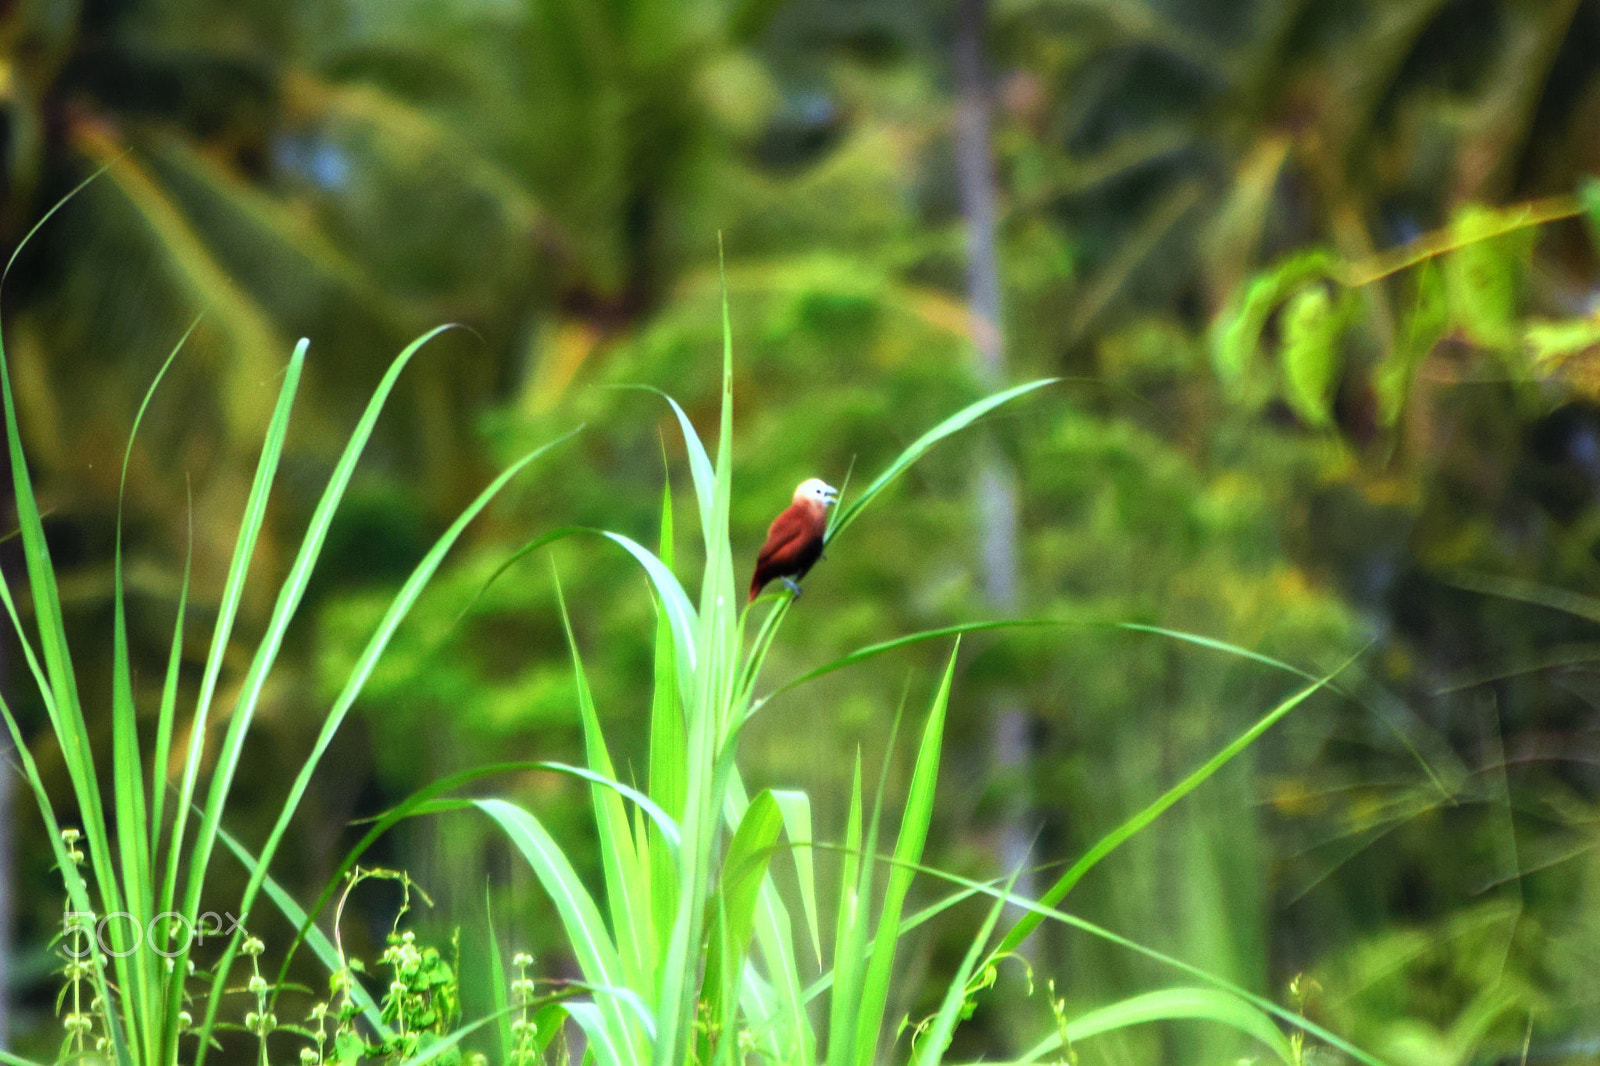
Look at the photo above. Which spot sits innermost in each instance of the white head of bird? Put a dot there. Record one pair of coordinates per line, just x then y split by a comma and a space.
815, 490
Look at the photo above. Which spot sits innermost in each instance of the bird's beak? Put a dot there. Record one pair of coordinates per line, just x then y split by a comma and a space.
830, 497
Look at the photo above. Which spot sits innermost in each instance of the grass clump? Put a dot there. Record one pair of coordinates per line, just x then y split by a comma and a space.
693, 953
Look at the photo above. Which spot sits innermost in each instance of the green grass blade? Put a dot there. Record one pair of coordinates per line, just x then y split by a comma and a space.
708, 685
700, 469
76, 887
604, 1044
1219, 645
824, 982
780, 1009
743, 873
609, 1027
365, 664
680, 612
59, 690
283, 612
627, 879
850, 935
796, 809
449, 1042
418, 803
135, 839
227, 610
169, 707
872, 651
659, 818
937, 1036
1004, 896
774, 1007
907, 852
1171, 1004
1541, 595
59, 204
499, 980
1446, 789
1112, 840
681, 616
954, 424
669, 747
759, 648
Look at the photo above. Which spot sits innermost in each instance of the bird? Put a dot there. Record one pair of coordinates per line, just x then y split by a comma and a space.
794, 540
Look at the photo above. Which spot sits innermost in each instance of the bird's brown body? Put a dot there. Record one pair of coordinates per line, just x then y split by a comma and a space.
794, 540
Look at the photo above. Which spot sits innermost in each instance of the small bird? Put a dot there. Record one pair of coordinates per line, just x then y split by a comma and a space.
794, 540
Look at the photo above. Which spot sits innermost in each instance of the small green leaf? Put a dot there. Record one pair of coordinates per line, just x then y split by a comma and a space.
1425, 324
1484, 276
1236, 334
1312, 359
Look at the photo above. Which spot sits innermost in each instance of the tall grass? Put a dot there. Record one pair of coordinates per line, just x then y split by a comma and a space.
694, 952
144, 878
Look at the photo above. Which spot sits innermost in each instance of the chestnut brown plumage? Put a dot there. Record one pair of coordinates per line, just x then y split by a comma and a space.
794, 540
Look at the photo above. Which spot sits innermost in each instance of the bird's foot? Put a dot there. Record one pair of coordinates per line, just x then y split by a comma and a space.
793, 587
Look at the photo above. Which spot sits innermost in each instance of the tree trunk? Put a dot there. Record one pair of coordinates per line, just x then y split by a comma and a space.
997, 492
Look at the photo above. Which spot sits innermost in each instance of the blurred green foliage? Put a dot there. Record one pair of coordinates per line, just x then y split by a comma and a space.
1275, 430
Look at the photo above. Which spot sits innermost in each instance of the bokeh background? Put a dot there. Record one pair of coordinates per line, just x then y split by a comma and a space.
919, 201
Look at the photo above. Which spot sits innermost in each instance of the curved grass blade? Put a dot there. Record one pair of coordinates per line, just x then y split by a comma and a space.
626, 877
283, 612
744, 872
422, 802
59, 204
704, 477
603, 1043
449, 1042
608, 1027
1445, 790
1171, 1004
135, 838
227, 611
796, 809
954, 424
680, 612
872, 651
58, 689
914, 823
398, 609
1222, 646
937, 1037
169, 704
1114, 839
1540, 595
1002, 896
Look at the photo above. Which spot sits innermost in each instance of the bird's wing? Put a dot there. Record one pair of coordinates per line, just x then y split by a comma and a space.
789, 528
